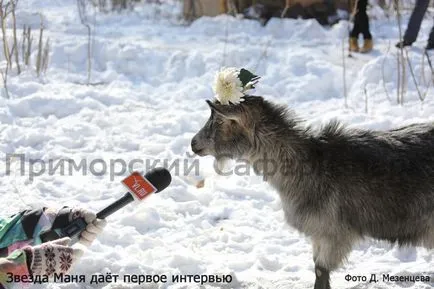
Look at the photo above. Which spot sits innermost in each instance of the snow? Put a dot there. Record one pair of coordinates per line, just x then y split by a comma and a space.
152, 77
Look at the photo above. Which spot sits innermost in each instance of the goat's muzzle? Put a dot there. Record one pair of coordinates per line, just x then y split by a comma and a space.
196, 148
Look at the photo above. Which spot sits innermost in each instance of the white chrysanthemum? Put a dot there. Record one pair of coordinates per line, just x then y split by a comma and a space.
227, 86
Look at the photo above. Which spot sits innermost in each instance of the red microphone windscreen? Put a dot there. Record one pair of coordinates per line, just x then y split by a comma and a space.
139, 186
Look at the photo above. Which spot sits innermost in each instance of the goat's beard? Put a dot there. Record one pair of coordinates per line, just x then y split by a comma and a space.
222, 163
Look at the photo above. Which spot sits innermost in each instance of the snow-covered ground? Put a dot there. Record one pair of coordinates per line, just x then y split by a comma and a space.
153, 77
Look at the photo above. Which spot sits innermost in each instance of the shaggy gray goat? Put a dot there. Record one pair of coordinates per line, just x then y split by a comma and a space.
336, 185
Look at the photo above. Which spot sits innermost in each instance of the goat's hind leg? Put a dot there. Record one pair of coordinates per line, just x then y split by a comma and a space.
328, 254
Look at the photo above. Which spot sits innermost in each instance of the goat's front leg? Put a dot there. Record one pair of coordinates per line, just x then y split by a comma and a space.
322, 278
328, 254
322, 275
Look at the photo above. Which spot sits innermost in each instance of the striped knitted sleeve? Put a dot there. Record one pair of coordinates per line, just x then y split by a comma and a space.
21, 230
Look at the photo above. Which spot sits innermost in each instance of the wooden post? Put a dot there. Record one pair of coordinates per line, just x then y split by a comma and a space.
223, 7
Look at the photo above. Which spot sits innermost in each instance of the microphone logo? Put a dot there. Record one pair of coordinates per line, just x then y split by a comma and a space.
139, 186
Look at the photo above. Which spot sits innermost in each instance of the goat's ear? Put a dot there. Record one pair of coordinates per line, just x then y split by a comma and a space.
213, 106
225, 111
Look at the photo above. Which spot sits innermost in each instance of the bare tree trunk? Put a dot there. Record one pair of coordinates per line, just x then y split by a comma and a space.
39, 57
26, 45
45, 55
344, 73
14, 21
29, 46
382, 71
3, 15
401, 59
365, 91
81, 11
4, 72
23, 44
410, 66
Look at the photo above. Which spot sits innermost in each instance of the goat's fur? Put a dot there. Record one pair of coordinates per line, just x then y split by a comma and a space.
337, 185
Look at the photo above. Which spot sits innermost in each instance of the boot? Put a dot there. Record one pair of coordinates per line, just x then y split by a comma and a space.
367, 46
429, 46
403, 43
354, 46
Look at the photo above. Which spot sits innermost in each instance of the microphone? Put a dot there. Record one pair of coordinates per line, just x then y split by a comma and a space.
139, 188
154, 182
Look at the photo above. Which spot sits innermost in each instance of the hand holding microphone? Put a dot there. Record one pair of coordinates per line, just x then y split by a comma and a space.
84, 226
58, 257
94, 226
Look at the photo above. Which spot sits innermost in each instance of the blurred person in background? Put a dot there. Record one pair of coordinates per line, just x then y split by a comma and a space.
414, 24
361, 26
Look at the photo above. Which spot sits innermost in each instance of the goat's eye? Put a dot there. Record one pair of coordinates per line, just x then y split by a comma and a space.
219, 121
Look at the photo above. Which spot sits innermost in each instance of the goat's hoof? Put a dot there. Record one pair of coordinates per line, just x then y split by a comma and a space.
322, 280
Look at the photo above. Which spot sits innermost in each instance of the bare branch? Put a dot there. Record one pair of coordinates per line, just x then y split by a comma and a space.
45, 55
3, 15
39, 57
4, 75
413, 76
401, 55
14, 21
344, 73
382, 71
365, 91
81, 5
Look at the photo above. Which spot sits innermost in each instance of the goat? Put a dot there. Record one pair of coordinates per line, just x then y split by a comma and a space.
337, 185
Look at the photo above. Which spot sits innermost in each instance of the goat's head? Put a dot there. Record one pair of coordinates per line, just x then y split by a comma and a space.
230, 130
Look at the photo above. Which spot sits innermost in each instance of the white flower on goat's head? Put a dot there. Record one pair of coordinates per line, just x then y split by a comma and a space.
227, 86
231, 83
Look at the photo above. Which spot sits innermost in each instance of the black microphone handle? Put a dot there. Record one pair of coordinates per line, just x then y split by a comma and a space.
119, 204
